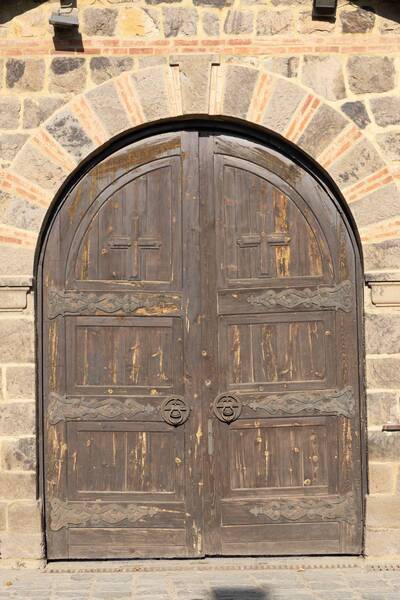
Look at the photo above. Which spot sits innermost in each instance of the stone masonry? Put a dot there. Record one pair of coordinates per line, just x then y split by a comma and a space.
332, 88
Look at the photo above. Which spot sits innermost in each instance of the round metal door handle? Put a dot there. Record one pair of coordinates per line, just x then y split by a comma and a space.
175, 411
227, 407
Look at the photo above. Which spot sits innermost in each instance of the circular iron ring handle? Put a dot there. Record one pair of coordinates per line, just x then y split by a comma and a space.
227, 407
174, 410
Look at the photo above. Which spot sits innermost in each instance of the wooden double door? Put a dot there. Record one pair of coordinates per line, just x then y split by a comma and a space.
200, 358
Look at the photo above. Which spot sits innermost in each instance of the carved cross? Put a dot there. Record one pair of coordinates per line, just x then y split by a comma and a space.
264, 240
136, 242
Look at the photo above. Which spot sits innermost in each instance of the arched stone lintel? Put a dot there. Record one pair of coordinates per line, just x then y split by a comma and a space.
200, 86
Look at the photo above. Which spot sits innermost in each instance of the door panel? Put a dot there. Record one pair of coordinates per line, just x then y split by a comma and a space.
200, 358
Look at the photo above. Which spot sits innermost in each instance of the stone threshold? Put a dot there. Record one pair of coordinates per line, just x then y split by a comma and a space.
223, 564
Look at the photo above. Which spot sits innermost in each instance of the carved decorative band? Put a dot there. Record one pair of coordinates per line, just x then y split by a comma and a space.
85, 303
92, 514
340, 402
338, 297
62, 408
324, 508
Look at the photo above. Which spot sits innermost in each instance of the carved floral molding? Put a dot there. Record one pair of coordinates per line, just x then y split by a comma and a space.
324, 508
338, 297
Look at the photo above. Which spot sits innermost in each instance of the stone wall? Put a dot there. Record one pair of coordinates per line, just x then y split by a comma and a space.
331, 88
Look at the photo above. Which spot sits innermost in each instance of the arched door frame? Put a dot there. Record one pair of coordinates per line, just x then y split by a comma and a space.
227, 126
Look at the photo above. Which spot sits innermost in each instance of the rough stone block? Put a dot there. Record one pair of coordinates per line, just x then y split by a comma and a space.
103, 68
386, 110
379, 205
151, 90
17, 418
108, 107
140, 22
3, 515
18, 454
331, 85
215, 3
384, 542
17, 486
283, 103
357, 112
360, 20
38, 168
210, 22
10, 144
68, 132
383, 372
17, 340
325, 125
383, 511
382, 333
100, 21
382, 407
288, 66
307, 24
22, 545
383, 255
16, 260
37, 110
381, 477
67, 75
383, 446
273, 22
356, 164
179, 21
10, 111
239, 88
17, 212
25, 75
24, 516
194, 73
238, 21
370, 74
20, 382
390, 144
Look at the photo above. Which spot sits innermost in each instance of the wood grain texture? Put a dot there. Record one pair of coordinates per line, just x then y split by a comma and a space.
200, 358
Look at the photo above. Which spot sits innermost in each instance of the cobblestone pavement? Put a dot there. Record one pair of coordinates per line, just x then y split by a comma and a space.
214, 579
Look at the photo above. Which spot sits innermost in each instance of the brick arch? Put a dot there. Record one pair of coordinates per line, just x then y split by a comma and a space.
194, 85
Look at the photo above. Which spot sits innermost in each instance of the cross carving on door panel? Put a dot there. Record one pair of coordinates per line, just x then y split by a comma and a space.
137, 243
264, 241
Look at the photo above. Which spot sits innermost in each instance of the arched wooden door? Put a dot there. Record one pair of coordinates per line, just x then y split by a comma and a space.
200, 358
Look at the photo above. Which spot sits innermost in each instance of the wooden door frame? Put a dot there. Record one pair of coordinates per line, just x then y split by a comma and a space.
218, 125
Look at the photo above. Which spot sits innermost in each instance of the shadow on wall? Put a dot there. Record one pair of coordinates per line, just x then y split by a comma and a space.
244, 593
388, 9
13, 8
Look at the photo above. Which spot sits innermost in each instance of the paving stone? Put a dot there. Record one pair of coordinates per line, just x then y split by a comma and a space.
103, 68
331, 86
369, 74
99, 21
360, 20
357, 113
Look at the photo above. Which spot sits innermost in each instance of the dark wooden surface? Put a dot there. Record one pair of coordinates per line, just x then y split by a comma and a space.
211, 280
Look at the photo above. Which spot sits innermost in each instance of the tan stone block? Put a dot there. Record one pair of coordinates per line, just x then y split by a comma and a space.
17, 341
22, 545
24, 516
384, 542
109, 109
140, 22
3, 516
34, 166
18, 486
383, 372
383, 511
152, 91
383, 446
239, 87
20, 382
385, 293
381, 477
18, 454
283, 103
